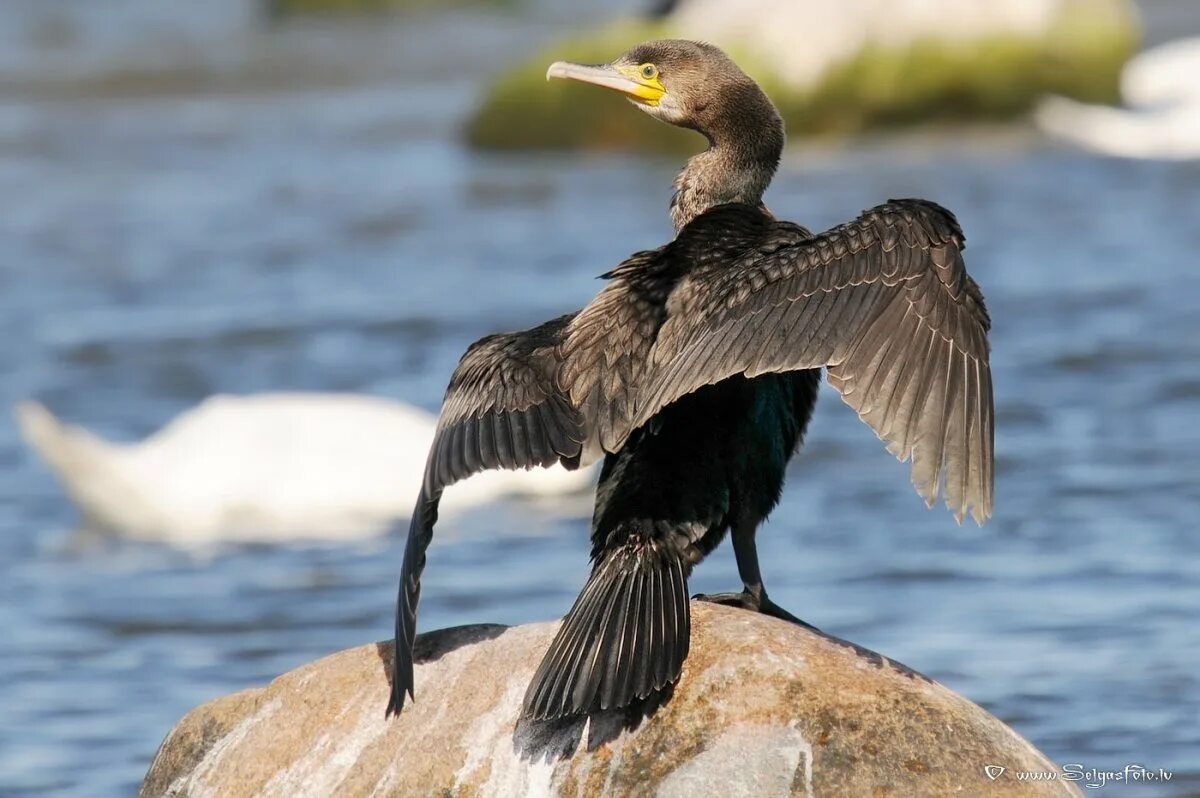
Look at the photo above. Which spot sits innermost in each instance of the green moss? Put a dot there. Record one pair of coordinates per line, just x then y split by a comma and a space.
523, 110
932, 80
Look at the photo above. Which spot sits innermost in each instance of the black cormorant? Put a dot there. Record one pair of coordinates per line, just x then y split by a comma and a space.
694, 373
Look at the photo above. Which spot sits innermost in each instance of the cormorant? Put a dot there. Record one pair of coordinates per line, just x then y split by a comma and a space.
694, 373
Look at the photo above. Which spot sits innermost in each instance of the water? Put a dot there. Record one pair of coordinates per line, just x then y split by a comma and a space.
233, 231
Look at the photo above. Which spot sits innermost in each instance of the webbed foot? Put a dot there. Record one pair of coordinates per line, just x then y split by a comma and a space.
747, 600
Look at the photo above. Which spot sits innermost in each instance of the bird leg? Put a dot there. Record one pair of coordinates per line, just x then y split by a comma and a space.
753, 596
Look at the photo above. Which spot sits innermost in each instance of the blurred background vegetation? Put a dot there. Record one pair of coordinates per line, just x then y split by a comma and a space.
936, 73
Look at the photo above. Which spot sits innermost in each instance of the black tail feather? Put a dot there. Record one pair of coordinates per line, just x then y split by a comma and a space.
625, 638
420, 533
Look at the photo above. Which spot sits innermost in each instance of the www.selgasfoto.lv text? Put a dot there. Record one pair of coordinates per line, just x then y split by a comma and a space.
1091, 778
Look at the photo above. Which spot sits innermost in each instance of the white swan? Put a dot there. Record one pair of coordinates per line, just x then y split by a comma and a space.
1162, 89
269, 467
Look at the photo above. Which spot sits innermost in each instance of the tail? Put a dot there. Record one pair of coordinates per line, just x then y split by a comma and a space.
68, 450
420, 533
87, 466
625, 639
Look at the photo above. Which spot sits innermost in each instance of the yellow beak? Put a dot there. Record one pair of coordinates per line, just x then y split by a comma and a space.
625, 79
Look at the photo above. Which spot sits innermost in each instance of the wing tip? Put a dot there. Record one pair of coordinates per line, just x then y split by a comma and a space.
978, 511
978, 508
397, 700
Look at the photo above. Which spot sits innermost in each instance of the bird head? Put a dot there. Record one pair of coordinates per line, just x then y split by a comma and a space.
684, 83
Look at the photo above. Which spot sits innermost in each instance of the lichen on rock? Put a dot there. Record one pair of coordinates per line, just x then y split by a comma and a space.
763, 708
834, 68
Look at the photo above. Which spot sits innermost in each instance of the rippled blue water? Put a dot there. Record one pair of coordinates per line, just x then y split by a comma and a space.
161, 246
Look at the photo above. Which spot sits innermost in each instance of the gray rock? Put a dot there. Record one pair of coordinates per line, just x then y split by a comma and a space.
763, 708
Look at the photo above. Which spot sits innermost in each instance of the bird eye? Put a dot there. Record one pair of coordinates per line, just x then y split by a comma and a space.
649, 71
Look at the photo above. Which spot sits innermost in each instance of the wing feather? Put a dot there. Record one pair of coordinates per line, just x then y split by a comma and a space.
501, 410
884, 302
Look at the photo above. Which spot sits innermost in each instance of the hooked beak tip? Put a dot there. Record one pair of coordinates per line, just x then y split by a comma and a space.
559, 69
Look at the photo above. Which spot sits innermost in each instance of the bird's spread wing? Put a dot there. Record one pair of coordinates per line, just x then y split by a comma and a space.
501, 410
885, 303
606, 345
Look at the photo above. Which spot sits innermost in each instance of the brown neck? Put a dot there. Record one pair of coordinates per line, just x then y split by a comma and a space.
743, 154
